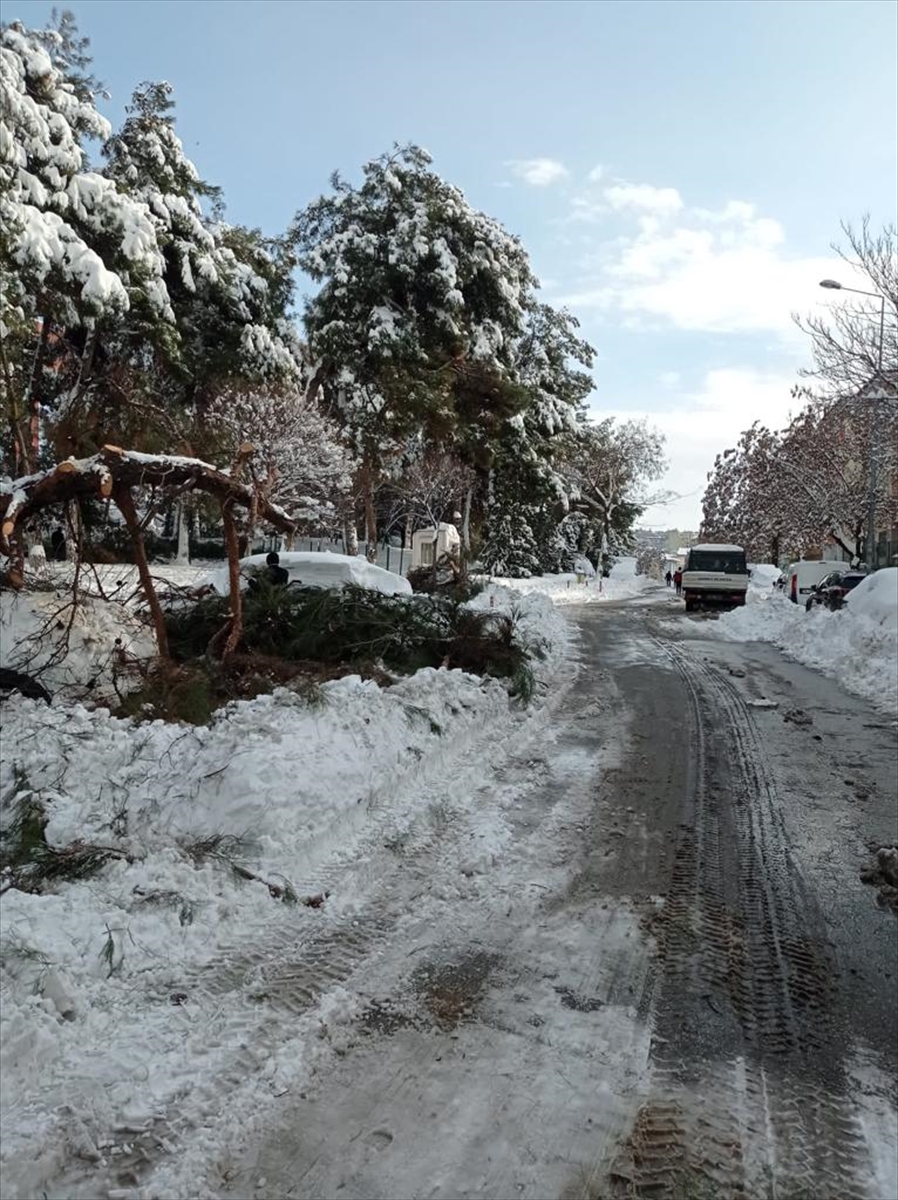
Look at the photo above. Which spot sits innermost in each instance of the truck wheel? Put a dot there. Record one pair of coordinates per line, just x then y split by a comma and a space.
690, 604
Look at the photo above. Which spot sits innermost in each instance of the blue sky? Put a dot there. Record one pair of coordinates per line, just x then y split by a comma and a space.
676, 170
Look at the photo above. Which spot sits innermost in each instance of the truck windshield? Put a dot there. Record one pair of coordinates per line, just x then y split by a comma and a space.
726, 562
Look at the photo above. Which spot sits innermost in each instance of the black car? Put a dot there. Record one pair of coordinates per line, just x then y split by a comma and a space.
833, 588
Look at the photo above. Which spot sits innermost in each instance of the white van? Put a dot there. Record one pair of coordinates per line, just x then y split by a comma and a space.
803, 576
715, 574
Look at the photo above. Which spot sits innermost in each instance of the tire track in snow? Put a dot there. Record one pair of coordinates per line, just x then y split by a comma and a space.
750, 1091
301, 956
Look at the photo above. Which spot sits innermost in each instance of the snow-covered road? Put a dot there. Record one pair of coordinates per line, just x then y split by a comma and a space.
667, 979
625, 952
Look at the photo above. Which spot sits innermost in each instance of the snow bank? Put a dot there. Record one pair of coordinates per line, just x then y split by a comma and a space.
112, 1018
72, 649
538, 623
622, 583
876, 599
763, 576
857, 645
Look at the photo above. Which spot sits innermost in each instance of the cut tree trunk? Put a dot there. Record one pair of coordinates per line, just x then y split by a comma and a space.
232, 545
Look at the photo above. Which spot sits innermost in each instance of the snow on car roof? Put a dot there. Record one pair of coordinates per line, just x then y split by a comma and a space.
718, 546
321, 568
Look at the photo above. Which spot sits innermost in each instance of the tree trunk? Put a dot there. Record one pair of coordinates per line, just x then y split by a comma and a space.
33, 398
231, 544
466, 520
183, 555
368, 500
125, 502
350, 536
72, 544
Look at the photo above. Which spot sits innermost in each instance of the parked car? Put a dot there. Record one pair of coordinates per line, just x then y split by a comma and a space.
833, 589
804, 575
316, 568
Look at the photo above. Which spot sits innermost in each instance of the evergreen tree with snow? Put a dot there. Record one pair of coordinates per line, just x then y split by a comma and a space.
75, 251
421, 302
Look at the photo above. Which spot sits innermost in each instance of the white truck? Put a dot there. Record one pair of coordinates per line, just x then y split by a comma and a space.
715, 574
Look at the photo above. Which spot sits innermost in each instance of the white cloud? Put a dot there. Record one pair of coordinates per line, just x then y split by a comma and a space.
538, 172
597, 173
700, 270
699, 424
644, 197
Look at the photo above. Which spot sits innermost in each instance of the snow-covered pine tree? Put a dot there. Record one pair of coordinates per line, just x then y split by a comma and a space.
75, 250
230, 288
422, 300
527, 484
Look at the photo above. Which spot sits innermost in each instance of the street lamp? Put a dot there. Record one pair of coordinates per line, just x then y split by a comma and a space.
834, 285
840, 287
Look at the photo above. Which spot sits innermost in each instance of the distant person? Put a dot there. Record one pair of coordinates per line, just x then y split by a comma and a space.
277, 574
668, 578
678, 581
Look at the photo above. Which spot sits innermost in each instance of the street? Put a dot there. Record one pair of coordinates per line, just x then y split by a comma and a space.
649, 967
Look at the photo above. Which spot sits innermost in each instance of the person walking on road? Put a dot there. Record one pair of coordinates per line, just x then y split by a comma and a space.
678, 581
668, 578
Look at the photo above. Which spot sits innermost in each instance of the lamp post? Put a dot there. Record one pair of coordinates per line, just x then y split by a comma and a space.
871, 468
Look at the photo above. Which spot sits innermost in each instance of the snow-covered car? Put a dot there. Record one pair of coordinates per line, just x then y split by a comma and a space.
313, 568
876, 599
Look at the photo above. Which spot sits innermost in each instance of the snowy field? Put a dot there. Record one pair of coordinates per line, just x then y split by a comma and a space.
216, 836
857, 645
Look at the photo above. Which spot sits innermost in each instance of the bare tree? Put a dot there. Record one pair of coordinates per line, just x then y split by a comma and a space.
430, 488
857, 340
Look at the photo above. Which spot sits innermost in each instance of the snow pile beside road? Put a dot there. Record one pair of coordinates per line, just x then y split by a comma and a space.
763, 576
876, 599
72, 648
538, 623
119, 1007
566, 588
857, 646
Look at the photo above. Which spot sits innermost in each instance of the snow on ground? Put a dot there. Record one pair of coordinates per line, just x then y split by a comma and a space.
622, 583
98, 1031
73, 648
857, 645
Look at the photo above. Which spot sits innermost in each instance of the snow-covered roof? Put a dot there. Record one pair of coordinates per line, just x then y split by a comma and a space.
718, 546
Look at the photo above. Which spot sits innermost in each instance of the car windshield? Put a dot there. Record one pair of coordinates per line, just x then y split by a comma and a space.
729, 562
851, 581
828, 580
